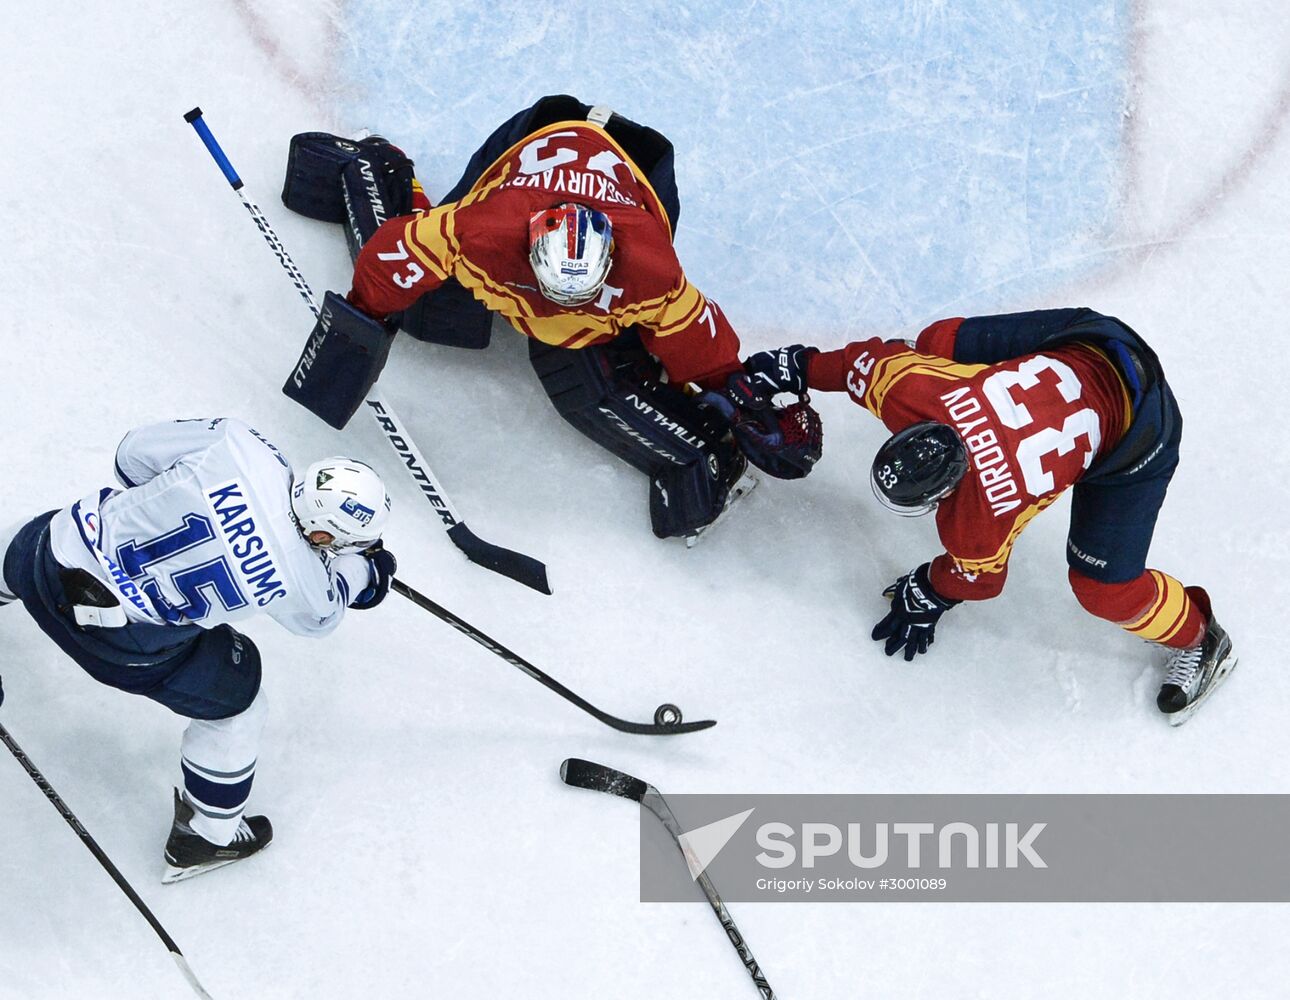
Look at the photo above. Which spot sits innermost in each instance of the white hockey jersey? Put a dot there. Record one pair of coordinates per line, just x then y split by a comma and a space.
203, 533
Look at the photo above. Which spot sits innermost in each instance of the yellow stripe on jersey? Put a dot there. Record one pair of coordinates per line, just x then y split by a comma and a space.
498, 298
646, 311
1168, 612
565, 330
587, 338
889, 371
679, 311
995, 563
480, 190
424, 239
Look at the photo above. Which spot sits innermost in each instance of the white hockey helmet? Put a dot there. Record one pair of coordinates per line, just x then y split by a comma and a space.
343, 497
569, 249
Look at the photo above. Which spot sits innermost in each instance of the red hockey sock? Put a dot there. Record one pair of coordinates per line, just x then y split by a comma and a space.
1153, 606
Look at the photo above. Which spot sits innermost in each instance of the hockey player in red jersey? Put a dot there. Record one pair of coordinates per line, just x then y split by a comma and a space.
994, 418
562, 223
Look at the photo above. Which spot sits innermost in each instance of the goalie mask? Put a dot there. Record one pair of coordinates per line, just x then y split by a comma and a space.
918, 467
345, 498
569, 250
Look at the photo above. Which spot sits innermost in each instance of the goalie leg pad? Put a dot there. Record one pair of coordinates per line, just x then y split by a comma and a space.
314, 164
613, 395
341, 362
316, 184
684, 499
377, 185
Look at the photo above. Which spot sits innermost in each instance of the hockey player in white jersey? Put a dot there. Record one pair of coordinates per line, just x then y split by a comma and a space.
141, 585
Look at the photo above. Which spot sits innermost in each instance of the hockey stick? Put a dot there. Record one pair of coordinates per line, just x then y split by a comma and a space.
601, 778
103, 859
519, 567
667, 717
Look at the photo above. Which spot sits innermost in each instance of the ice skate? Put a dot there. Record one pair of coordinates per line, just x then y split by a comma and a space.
188, 853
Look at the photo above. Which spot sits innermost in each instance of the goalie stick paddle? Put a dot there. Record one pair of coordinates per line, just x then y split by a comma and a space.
601, 778
519, 567
99, 855
660, 727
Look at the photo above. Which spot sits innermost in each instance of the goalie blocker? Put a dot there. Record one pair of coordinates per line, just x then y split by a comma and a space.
340, 363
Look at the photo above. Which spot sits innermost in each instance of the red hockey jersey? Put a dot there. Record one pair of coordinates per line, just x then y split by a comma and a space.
1032, 426
482, 240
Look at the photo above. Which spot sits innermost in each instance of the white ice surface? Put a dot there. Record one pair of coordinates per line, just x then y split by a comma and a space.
844, 171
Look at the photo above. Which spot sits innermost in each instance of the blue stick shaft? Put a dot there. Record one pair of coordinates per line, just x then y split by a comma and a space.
194, 118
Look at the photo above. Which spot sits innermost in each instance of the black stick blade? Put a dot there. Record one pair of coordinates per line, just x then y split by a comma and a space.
654, 729
601, 778
519, 567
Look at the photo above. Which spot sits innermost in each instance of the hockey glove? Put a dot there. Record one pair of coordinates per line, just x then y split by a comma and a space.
781, 370
738, 400
382, 566
915, 610
784, 442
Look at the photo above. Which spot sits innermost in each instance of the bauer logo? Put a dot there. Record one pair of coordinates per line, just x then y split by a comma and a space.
970, 848
358, 511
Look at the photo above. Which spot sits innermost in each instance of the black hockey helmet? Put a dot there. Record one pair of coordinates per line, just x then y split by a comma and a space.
918, 466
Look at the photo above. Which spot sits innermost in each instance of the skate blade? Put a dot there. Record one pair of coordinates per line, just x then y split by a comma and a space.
1221, 673
737, 492
174, 874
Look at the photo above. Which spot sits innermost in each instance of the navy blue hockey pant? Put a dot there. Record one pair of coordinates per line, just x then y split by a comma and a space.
1114, 517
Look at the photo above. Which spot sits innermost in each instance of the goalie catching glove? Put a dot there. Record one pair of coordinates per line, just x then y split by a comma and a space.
784, 442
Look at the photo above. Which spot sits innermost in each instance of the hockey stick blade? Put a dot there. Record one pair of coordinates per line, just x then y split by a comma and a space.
519, 567
595, 777
517, 661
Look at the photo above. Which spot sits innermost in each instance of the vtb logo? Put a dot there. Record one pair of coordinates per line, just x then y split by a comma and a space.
360, 513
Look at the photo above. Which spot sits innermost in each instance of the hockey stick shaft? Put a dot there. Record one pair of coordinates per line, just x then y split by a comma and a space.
594, 777
656, 804
517, 661
63, 810
519, 567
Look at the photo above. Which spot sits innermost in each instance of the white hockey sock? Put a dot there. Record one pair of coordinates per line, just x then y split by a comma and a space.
218, 763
